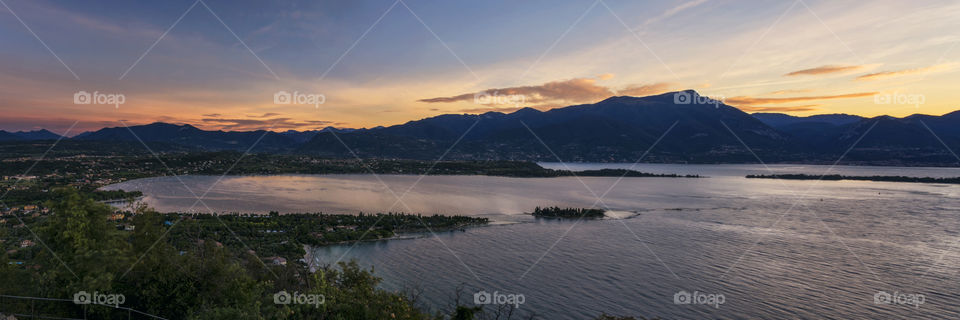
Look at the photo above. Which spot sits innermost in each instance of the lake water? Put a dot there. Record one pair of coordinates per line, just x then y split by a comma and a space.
768, 248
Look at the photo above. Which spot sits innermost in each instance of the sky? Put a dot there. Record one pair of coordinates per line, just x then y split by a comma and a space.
230, 65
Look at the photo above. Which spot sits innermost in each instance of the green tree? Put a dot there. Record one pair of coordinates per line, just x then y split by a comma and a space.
85, 251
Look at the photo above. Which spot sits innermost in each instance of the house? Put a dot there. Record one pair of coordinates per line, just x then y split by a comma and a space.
26, 243
277, 261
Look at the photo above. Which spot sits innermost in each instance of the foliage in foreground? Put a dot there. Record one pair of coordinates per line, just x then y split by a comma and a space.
201, 280
204, 280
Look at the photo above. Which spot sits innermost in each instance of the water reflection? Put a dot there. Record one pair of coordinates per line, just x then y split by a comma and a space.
772, 256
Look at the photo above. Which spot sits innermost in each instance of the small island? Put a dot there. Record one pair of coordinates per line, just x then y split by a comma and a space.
569, 213
837, 177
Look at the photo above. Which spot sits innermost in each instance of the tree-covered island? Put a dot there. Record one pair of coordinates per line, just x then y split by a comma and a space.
568, 213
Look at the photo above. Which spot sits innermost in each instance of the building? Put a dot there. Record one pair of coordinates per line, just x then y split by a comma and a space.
277, 261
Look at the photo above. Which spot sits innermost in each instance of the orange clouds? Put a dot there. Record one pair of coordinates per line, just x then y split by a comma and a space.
645, 90
548, 95
573, 90
889, 74
485, 110
750, 104
779, 92
750, 101
824, 70
275, 124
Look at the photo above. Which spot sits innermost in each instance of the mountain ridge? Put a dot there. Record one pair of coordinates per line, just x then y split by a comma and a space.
41, 134
619, 128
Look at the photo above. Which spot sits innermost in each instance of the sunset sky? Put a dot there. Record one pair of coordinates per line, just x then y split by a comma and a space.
217, 64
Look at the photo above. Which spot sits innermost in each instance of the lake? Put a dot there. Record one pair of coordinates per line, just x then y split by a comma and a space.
743, 248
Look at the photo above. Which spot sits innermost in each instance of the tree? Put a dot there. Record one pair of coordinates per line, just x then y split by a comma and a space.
85, 251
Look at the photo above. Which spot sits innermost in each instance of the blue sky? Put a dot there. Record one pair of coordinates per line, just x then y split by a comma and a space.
800, 57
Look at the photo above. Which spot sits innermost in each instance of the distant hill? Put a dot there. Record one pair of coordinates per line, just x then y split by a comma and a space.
814, 132
779, 120
42, 134
191, 136
617, 129
300, 136
7, 136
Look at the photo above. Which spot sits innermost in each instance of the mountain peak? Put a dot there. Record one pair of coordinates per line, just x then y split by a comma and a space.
618, 99
526, 111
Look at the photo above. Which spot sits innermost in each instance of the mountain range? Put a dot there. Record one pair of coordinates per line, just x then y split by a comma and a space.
617, 129
42, 134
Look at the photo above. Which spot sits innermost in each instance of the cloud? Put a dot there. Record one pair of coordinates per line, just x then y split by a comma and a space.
823, 70
800, 108
491, 109
265, 115
605, 76
573, 90
212, 115
645, 90
751, 101
779, 92
897, 73
673, 11
551, 94
264, 124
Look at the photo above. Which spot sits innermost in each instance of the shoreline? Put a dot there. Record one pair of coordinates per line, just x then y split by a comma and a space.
837, 177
